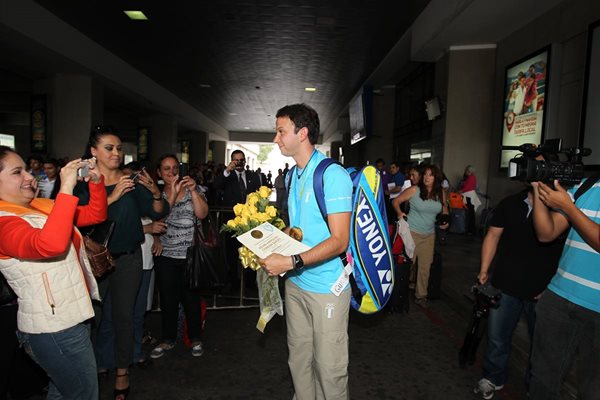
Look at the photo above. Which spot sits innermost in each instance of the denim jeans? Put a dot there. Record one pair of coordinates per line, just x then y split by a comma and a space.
68, 358
502, 322
564, 330
105, 349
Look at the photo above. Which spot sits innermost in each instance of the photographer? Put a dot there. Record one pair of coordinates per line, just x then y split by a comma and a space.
522, 270
568, 315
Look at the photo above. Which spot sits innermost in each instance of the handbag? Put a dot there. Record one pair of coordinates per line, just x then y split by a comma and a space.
200, 270
6, 293
96, 242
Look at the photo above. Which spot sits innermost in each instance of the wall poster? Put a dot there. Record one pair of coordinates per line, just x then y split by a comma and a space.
38, 125
525, 89
143, 145
590, 124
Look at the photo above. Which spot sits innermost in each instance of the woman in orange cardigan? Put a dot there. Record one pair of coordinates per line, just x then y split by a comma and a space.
43, 259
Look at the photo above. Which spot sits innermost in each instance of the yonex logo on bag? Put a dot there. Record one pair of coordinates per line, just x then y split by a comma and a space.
374, 236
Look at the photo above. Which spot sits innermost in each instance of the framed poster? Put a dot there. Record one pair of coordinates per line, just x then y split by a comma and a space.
525, 90
143, 145
590, 116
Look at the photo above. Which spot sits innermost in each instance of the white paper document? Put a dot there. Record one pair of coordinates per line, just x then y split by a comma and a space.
266, 239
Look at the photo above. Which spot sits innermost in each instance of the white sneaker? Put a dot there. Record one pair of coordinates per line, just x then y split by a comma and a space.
486, 388
160, 350
197, 349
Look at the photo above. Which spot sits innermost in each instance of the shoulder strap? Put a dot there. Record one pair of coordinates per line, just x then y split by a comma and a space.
589, 182
288, 178
319, 184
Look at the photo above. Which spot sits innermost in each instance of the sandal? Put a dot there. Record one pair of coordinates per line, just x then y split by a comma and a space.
161, 349
121, 394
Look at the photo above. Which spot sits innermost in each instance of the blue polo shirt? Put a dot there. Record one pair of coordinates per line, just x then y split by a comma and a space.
578, 276
304, 213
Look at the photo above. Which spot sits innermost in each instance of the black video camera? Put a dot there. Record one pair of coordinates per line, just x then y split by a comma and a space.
526, 168
486, 297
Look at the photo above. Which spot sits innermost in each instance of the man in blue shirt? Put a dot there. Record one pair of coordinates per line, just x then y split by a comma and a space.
316, 310
568, 314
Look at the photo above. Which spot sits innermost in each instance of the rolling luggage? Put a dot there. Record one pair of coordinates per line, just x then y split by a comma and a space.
458, 223
399, 302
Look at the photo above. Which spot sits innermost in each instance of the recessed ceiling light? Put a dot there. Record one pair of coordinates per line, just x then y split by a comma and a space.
310, 89
136, 15
246, 127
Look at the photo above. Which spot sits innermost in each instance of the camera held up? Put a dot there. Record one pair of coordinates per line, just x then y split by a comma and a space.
526, 168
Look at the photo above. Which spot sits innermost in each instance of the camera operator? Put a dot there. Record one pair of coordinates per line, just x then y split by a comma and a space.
523, 268
568, 315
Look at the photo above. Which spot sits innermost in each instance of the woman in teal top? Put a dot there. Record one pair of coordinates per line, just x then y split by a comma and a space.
427, 200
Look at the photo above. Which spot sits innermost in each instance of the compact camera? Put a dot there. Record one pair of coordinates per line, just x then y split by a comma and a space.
526, 168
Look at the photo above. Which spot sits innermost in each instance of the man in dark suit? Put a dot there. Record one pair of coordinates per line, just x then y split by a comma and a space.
236, 182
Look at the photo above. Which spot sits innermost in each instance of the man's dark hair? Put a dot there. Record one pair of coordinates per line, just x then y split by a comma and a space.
303, 116
52, 161
237, 152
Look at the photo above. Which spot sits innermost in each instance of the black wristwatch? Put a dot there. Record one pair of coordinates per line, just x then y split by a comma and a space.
298, 262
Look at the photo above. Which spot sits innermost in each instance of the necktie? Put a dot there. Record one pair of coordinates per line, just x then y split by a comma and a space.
242, 185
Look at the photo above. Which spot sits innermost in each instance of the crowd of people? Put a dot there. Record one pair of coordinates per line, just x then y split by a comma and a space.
76, 326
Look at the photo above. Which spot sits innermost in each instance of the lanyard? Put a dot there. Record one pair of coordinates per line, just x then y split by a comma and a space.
298, 198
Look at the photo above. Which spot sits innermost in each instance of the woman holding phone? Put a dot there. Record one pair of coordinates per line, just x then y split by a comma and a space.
43, 259
128, 201
187, 204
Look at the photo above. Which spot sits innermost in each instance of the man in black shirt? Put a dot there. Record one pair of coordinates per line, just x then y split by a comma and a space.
523, 269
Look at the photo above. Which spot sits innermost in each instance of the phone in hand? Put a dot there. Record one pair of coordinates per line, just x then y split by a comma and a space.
184, 170
83, 171
135, 177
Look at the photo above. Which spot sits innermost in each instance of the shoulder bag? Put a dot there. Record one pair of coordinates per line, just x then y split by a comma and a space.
96, 242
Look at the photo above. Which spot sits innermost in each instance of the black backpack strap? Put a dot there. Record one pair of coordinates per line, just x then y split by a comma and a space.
589, 182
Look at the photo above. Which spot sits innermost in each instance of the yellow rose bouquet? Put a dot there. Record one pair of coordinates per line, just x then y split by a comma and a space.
248, 216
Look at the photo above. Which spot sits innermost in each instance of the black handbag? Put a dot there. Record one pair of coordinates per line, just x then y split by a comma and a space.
202, 255
6, 293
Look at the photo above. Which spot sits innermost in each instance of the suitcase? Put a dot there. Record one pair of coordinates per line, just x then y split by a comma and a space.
399, 301
434, 288
458, 217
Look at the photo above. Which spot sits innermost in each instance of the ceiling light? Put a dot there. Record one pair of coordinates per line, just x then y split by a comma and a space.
310, 89
204, 85
136, 15
246, 127
233, 114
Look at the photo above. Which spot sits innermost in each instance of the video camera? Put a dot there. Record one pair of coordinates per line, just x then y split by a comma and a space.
526, 168
486, 297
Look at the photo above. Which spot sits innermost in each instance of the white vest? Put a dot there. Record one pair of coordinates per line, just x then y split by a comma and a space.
53, 294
